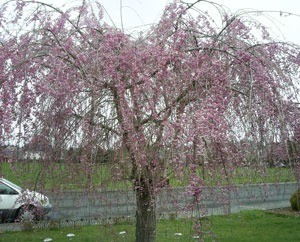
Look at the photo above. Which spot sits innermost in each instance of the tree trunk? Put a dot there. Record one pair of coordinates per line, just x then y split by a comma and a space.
145, 213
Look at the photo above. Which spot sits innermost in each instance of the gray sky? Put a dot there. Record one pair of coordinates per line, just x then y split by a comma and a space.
145, 12
140, 12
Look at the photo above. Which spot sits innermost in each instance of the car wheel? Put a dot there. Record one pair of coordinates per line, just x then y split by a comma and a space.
27, 213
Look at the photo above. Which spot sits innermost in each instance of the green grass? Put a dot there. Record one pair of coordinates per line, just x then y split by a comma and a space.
38, 176
239, 175
247, 226
251, 226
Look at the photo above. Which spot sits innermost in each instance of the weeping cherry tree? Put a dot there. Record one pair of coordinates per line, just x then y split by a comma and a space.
191, 93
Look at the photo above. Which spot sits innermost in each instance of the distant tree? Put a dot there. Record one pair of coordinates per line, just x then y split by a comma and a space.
182, 95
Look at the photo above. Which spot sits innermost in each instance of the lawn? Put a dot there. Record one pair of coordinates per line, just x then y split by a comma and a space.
247, 226
39, 176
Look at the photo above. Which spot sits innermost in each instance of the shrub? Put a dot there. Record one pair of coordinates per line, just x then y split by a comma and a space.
295, 200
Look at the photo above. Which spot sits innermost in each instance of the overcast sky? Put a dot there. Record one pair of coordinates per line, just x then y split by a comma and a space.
140, 12
145, 12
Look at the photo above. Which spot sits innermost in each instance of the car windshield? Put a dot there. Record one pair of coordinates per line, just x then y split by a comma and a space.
12, 184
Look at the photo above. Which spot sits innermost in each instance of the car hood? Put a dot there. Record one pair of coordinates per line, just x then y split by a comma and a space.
33, 197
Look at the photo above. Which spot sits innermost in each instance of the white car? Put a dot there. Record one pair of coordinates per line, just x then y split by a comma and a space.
16, 203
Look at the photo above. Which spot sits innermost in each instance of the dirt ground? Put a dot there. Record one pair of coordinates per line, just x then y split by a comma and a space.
285, 211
